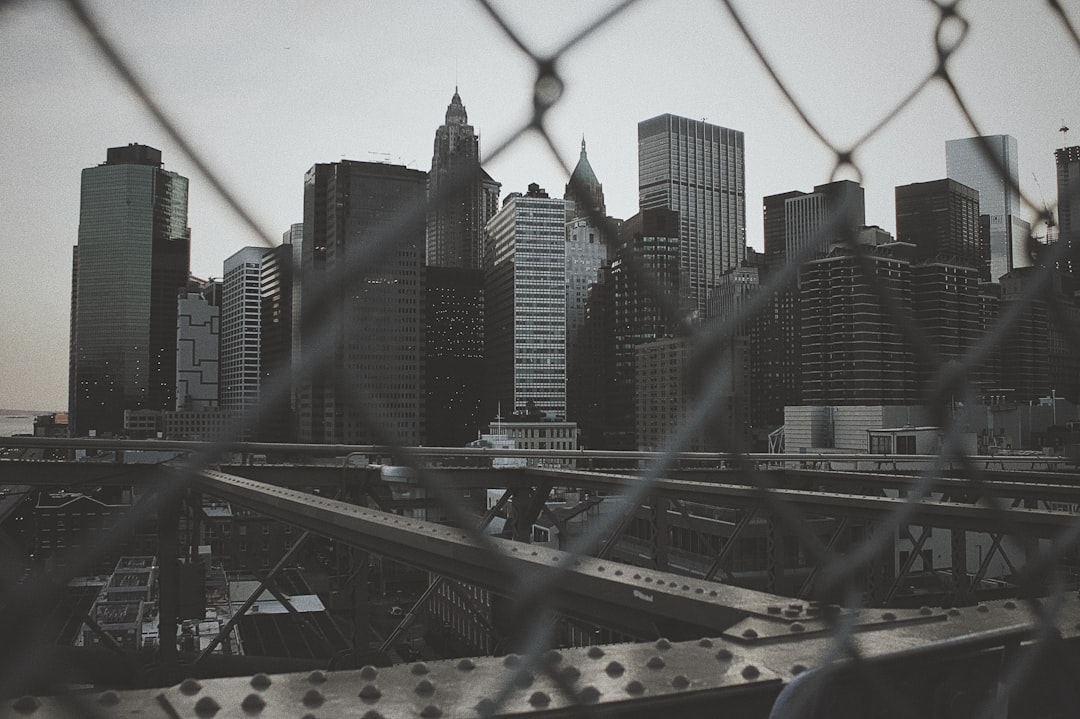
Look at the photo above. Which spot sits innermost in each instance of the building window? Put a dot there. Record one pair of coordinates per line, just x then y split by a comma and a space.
905, 444
880, 444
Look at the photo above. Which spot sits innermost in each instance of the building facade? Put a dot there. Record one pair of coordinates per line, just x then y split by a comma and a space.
696, 169
988, 165
525, 294
362, 317
941, 219
198, 340
130, 264
463, 196
1067, 160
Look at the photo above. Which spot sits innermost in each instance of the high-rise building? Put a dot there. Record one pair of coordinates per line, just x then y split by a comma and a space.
454, 361
130, 265
988, 165
1068, 206
275, 351
525, 296
941, 219
464, 195
241, 330
584, 194
362, 323
696, 169
198, 335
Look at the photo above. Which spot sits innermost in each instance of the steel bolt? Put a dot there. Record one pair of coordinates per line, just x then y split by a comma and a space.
595, 652
590, 695
750, 672
570, 674
370, 693
190, 687
705, 643
466, 665
635, 687
614, 669
369, 714
680, 681
1009, 604
954, 612
26, 705
925, 611
797, 627
724, 655
511, 660
260, 681
655, 663
313, 698
982, 608
888, 616
485, 707
206, 707
749, 633
539, 699
419, 669
317, 677
253, 703
425, 688
523, 679
553, 656
368, 672
663, 644
431, 712
109, 699
798, 669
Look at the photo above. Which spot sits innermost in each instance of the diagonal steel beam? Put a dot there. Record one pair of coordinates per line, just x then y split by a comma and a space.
744, 520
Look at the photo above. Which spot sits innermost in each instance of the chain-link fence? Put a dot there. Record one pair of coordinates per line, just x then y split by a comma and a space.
838, 576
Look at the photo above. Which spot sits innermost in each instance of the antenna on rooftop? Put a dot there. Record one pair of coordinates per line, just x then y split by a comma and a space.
1064, 134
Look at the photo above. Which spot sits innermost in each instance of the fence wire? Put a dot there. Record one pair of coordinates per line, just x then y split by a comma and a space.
839, 574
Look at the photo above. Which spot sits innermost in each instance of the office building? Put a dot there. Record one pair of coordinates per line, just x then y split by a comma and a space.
129, 267
1067, 160
584, 193
275, 349
241, 331
455, 355
525, 296
988, 165
362, 319
696, 169
941, 220
198, 337
464, 196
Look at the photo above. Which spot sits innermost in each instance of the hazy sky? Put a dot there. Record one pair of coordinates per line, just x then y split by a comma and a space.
266, 90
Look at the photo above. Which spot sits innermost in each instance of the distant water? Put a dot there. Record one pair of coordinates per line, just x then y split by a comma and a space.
18, 421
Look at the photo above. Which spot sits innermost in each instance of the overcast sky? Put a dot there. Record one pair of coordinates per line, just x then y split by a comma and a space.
266, 90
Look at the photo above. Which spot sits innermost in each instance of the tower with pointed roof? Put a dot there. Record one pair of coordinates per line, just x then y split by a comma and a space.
584, 194
465, 196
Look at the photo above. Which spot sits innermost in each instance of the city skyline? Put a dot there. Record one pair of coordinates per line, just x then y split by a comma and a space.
262, 134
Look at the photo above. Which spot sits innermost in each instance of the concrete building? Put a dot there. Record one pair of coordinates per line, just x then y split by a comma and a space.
525, 293
941, 219
1067, 160
198, 340
241, 331
697, 170
464, 195
363, 323
130, 264
988, 165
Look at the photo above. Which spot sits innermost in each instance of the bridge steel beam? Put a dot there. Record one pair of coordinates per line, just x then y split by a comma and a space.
609, 594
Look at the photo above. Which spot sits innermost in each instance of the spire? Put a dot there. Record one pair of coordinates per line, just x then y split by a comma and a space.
455, 111
584, 179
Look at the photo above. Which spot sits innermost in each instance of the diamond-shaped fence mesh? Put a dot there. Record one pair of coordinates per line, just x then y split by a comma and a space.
838, 578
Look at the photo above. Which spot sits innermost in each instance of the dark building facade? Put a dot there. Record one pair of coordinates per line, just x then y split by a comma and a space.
941, 219
464, 196
455, 355
130, 265
362, 325
1067, 160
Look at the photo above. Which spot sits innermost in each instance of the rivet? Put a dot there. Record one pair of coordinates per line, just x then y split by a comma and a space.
614, 669
1009, 604
750, 672
419, 669
635, 687
425, 688
595, 652
680, 681
539, 699
313, 698
570, 674
724, 655
618, 572
485, 707
749, 634
589, 695
317, 677
26, 704
109, 699
370, 692
553, 656
798, 669
511, 660
372, 714
713, 593
466, 665
252, 703
705, 643
260, 681
206, 707
655, 663
648, 580
663, 644
685, 587
925, 611
698, 590
431, 712
600, 568
797, 627
954, 612
888, 616
673, 584
982, 608
368, 672
190, 687
523, 679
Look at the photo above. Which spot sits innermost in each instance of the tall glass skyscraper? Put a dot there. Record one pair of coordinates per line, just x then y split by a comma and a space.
130, 264
696, 169
988, 164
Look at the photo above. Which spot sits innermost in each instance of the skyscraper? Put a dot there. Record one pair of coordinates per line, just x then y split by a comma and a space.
696, 169
525, 296
465, 194
198, 345
988, 165
941, 219
130, 265
241, 330
362, 325
1067, 160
